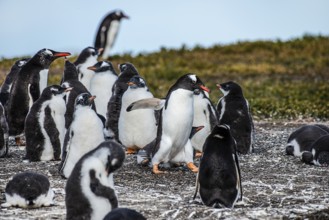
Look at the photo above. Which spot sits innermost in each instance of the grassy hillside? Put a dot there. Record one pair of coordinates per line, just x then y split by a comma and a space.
281, 80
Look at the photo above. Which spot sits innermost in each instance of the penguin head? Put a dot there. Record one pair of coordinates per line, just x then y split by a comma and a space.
290, 150
89, 53
54, 90
307, 157
221, 131
45, 57
70, 71
127, 68
84, 99
136, 82
118, 15
190, 82
102, 66
230, 87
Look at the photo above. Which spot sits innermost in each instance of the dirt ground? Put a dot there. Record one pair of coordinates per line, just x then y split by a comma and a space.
275, 186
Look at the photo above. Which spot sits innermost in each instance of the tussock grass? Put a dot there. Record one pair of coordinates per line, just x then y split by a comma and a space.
281, 80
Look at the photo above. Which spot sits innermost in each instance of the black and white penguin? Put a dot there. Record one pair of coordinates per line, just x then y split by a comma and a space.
234, 111
70, 79
84, 134
108, 31
88, 57
101, 84
10, 78
219, 178
127, 70
26, 89
45, 125
205, 114
175, 123
124, 214
319, 153
4, 135
28, 190
90, 190
303, 137
136, 128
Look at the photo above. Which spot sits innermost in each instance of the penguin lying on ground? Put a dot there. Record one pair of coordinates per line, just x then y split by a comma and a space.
219, 178
127, 70
87, 57
136, 128
84, 134
234, 111
108, 31
124, 214
302, 138
4, 136
90, 189
10, 78
172, 142
319, 153
26, 89
101, 84
205, 114
28, 190
45, 125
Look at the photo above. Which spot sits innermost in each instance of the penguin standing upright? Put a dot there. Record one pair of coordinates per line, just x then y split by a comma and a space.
319, 154
10, 78
219, 178
70, 79
26, 89
136, 128
205, 114
127, 70
28, 190
45, 125
302, 138
87, 57
234, 111
108, 31
84, 134
4, 136
101, 84
90, 188
172, 143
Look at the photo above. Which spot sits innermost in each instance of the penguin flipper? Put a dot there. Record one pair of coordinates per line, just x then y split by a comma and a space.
197, 185
151, 103
103, 191
53, 133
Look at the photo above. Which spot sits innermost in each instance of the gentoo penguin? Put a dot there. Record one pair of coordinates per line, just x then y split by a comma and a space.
219, 178
84, 134
87, 57
136, 128
45, 125
176, 117
70, 79
124, 214
26, 89
101, 85
127, 70
302, 138
28, 190
234, 111
205, 114
319, 153
90, 188
108, 31
4, 136
10, 78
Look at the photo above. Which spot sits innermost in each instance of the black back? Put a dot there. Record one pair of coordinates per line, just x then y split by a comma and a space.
127, 71
28, 185
124, 214
219, 172
237, 115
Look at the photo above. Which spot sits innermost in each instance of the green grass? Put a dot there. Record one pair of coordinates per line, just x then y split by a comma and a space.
281, 80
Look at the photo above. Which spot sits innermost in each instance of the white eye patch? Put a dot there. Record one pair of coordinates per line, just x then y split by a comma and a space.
193, 78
